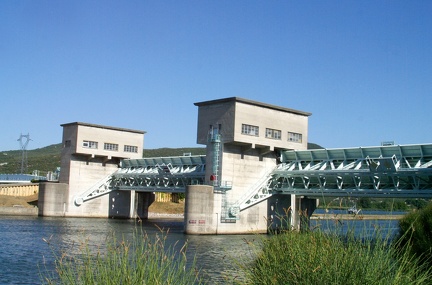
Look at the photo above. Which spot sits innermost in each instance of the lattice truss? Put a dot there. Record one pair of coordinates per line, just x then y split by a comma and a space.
167, 174
394, 171
162, 174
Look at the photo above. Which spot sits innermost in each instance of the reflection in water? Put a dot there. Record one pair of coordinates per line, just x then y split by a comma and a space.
24, 254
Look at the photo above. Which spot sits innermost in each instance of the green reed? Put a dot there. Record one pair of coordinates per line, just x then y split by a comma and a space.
142, 260
318, 257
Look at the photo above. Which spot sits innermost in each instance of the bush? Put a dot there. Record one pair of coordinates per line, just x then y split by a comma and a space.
144, 260
415, 233
320, 258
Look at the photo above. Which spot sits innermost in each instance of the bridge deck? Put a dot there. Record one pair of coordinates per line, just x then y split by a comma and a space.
403, 171
163, 174
390, 171
397, 171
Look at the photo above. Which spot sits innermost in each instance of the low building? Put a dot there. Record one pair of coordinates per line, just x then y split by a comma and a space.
90, 153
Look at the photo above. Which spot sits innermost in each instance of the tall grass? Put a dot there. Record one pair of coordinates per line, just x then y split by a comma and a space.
316, 257
143, 260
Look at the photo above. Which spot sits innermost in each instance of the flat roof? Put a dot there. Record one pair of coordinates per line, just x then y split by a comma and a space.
103, 127
251, 102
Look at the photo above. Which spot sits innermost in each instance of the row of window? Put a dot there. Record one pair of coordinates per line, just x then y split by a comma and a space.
271, 133
110, 146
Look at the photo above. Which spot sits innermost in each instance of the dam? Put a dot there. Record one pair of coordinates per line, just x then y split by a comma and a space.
257, 173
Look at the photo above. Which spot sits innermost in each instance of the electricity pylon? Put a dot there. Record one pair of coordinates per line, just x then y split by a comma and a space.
24, 141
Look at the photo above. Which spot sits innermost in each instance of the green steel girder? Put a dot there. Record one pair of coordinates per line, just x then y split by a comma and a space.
385, 171
160, 174
396, 171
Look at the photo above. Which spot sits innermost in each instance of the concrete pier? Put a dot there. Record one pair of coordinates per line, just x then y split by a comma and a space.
201, 216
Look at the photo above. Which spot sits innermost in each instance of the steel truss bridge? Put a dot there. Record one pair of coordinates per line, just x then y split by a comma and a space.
161, 174
396, 171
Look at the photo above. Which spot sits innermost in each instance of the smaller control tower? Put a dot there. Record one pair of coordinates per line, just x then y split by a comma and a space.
90, 154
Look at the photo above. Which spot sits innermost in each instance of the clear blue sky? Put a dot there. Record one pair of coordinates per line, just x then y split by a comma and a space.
362, 68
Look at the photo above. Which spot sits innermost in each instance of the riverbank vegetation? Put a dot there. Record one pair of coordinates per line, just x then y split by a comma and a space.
313, 256
141, 260
321, 258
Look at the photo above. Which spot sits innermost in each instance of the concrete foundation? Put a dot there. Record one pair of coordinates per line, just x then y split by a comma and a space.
142, 204
201, 216
307, 207
56, 199
121, 204
205, 214
279, 212
18, 211
290, 212
52, 199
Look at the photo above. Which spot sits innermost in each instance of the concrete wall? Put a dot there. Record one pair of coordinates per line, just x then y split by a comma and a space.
202, 210
142, 204
86, 174
222, 114
280, 214
244, 170
18, 211
270, 118
206, 209
52, 199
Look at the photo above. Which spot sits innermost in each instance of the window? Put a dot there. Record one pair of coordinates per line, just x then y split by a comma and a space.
90, 144
130, 148
67, 143
273, 134
250, 130
294, 137
111, 146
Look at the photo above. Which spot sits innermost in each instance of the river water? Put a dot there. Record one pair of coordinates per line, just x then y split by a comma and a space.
25, 252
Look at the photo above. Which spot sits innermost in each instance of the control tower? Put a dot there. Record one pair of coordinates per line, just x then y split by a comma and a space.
243, 139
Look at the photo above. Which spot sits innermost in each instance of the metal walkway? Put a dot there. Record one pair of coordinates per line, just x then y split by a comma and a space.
402, 171
397, 171
161, 174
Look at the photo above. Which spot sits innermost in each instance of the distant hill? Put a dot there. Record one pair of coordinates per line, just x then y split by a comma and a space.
314, 146
48, 158
42, 159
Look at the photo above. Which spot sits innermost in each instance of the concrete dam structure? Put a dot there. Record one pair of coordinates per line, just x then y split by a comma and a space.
257, 173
